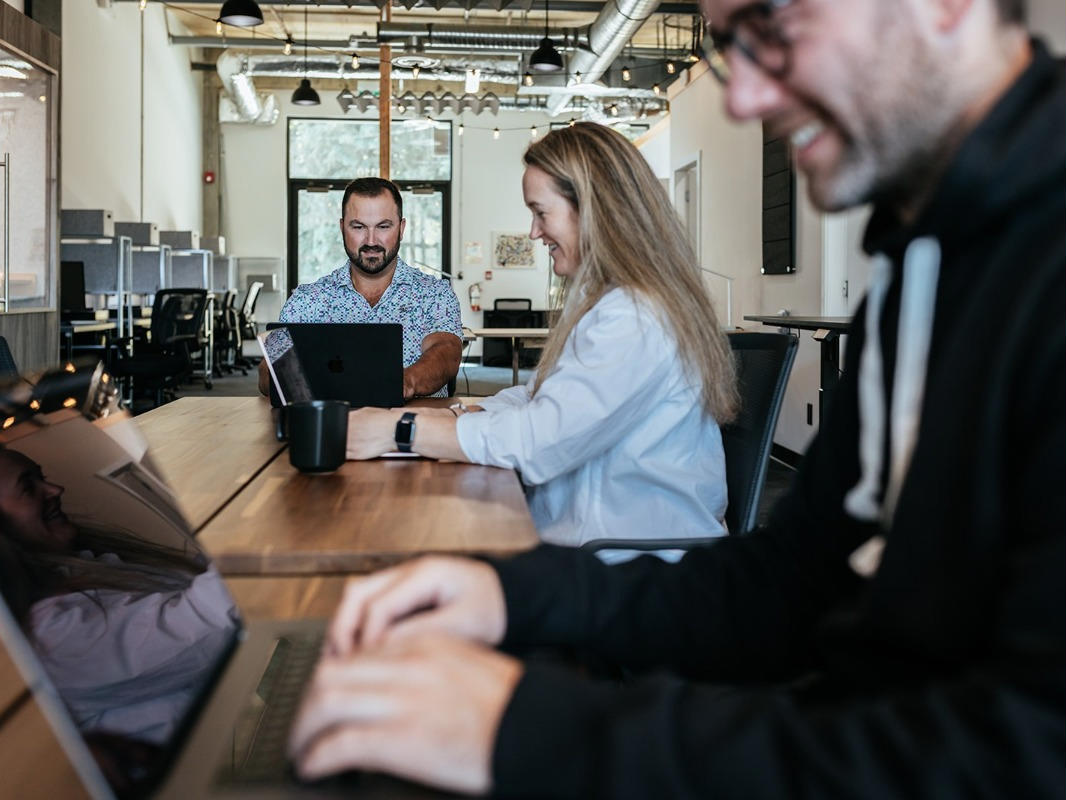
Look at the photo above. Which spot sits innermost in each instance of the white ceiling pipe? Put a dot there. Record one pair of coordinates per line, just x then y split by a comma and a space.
608, 34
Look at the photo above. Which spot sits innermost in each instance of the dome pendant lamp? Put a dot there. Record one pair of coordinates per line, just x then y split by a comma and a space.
546, 58
242, 13
305, 94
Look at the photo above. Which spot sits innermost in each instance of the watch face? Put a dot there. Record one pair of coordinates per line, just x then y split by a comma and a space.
405, 432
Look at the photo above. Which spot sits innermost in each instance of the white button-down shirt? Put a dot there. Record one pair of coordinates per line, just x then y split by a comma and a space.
615, 444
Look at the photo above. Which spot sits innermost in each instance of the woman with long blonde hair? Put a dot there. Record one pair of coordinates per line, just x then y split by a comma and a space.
616, 436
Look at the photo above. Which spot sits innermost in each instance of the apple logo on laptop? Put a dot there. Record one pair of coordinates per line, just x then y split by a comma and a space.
335, 364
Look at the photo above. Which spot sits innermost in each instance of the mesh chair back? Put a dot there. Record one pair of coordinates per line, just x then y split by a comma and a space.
178, 315
763, 362
7, 361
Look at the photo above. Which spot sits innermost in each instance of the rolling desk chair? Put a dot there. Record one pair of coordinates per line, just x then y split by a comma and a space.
159, 366
763, 363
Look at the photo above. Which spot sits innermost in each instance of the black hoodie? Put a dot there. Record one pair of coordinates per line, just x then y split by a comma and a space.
941, 675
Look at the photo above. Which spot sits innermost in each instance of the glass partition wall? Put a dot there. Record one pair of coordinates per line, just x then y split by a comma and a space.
27, 170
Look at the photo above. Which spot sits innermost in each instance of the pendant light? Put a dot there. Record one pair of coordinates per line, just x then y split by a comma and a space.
546, 58
242, 13
305, 94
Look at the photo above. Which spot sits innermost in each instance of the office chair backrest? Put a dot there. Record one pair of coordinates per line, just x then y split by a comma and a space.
229, 300
7, 361
512, 304
178, 315
251, 298
763, 362
71, 285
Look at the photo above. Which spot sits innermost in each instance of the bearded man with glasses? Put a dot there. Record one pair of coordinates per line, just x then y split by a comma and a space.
898, 629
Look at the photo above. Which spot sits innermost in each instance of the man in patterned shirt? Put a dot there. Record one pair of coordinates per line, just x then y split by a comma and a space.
374, 285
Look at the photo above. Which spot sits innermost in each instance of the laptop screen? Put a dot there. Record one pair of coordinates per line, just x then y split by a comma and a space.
128, 619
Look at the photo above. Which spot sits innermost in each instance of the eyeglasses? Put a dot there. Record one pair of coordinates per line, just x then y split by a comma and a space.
756, 32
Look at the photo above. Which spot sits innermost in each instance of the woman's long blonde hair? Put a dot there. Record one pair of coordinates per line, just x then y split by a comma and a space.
631, 237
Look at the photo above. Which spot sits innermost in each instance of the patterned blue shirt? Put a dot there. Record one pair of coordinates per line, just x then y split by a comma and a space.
422, 304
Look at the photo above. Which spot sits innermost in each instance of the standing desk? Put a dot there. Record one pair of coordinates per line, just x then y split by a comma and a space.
827, 332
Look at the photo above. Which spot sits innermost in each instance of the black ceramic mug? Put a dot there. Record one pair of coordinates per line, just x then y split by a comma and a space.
318, 434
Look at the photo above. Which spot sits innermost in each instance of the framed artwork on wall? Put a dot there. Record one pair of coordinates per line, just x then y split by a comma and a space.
512, 251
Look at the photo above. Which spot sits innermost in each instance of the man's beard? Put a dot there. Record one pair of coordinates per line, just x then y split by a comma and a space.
360, 264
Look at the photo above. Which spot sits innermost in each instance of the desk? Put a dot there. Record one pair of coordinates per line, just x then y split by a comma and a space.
517, 337
256, 515
209, 448
827, 332
68, 329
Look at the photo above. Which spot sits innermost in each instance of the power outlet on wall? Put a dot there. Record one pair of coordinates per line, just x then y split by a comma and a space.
810, 413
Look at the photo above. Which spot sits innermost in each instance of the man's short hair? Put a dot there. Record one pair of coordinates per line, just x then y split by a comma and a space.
1012, 11
372, 187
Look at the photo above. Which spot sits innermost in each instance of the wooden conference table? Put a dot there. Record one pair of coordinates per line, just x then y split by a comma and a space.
285, 540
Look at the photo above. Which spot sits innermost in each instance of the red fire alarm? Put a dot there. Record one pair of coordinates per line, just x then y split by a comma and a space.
209, 177
488, 274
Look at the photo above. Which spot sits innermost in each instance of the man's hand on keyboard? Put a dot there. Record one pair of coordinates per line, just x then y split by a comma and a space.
456, 596
425, 708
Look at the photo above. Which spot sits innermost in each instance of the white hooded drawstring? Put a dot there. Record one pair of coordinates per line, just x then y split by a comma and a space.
921, 271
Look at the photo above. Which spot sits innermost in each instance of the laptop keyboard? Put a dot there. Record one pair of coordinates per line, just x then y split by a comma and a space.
262, 730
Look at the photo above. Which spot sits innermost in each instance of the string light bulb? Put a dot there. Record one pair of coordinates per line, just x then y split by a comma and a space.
571, 123
670, 68
355, 61
614, 111
460, 131
287, 50
495, 133
655, 90
218, 27
414, 72
528, 79
532, 131
626, 74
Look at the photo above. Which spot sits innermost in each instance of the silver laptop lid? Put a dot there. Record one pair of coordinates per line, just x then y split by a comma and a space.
121, 612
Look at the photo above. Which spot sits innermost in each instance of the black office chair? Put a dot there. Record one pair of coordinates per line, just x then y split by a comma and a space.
247, 326
7, 361
763, 363
158, 366
227, 336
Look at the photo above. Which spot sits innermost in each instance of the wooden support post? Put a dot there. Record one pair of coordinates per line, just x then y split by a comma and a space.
385, 101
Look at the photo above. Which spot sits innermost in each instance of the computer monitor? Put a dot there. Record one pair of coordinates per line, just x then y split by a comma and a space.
72, 286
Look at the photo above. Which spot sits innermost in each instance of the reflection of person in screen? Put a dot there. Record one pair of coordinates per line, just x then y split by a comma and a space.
127, 630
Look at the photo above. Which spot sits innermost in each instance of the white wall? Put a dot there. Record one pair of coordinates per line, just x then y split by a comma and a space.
100, 141
1047, 18
17, 4
731, 208
486, 198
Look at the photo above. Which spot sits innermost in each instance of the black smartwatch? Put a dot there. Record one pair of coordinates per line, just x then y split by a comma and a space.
405, 432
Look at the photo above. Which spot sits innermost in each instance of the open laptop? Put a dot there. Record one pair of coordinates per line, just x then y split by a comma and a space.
142, 665
360, 363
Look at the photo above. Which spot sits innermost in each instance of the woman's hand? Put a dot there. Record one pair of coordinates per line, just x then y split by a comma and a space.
371, 432
425, 708
434, 594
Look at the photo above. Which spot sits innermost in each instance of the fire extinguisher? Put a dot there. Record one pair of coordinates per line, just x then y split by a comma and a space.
474, 292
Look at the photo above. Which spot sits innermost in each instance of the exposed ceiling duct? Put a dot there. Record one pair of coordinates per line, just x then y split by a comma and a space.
237, 68
608, 34
430, 38
249, 105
